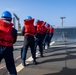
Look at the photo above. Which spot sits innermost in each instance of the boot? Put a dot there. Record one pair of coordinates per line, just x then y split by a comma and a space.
41, 55
23, 63
35, 62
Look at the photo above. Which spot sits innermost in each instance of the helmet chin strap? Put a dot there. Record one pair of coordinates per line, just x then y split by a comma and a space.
6, 21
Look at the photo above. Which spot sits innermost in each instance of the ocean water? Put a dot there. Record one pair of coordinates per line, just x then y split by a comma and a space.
65, 34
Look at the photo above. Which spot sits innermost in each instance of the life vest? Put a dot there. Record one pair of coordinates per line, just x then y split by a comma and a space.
51, 29
43, 23
29, 27
44, 27
39, 27
48, 29
5, 33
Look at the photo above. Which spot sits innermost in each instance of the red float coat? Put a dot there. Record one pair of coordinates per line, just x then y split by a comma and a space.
39, 27
29, 27
51, 29
48, 29
6, 38
44, 27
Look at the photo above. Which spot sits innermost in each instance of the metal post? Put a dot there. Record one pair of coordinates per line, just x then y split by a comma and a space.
62, 20
14, 22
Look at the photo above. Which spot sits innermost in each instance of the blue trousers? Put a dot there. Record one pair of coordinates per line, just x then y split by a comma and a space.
7, 54
28, 42
39, 43
24, 53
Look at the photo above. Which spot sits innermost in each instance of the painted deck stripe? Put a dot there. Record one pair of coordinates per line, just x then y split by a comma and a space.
20, 66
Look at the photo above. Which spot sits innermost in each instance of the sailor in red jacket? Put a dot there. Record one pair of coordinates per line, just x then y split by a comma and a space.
44, 34
51, 33
39, 36
8, 36
28, 32
47, 35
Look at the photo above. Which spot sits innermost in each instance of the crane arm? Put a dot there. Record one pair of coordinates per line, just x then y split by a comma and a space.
15, 16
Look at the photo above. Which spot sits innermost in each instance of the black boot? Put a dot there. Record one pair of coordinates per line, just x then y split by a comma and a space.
23, 63
41, 55
35, 62
48, 46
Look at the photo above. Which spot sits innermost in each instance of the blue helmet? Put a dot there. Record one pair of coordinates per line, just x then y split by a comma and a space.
6, 14
29, 17
37, 20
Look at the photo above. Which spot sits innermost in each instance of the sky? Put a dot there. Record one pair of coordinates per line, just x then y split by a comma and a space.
49, 11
